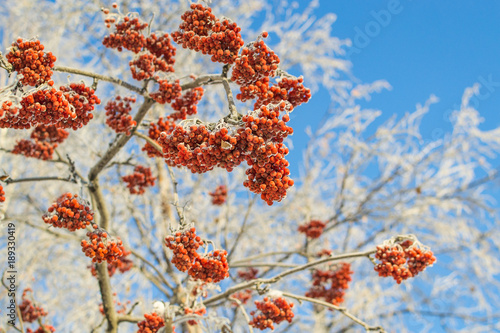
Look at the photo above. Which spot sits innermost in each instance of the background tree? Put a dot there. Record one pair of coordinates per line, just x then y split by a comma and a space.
306, 254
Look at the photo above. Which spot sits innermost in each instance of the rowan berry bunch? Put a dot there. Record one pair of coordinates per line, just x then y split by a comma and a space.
163, 125
200, 311
337, 278
211, 268
145, 65
270, 312
139, 180
186, 104
127, 35
122, 264
118, 117
313, 229
161, 47
219, 195
69, 212
35, 149
41, 329
2, 194
50, 134
151, 324
167, 91
242, 296
184, 245
29, 60
201, 31
102, 248
288, 88
30, 311
402, 257
248, 274
82, 100
255, 62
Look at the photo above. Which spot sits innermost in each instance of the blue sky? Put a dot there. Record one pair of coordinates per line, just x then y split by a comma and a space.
420, 48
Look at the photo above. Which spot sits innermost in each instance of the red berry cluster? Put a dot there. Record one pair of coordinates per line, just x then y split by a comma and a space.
100, 248
70, 212
146, 65
50, 134
337, 277
271, 311
402, 260
49, 328
313, 229
186, 104
152, 323
82, 100
201, 31
167, 92
219, 196
210, 268
259, 142
2, 194
184, 244
36, 149
68, 107
248, 274
122, 264
243, 296
29, 60
45, 140
255, 62
30, 311
200, 312
139, 180
117, 112
163, 125
127, 35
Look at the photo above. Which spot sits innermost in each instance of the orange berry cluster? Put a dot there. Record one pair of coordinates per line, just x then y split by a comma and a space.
157, 51
146, 65
313, 229
2, 194
338, 277
243, 296
152, 323
139, 180
167, 91
163, 125
210, 268
49, 328
271, 311
184, 244
68, 107
255, 62
45, 140
29, 311
200, 312
186, 104
117, 112
201, 31
50, 134
259, 142
122, 264
70, 212
29, 60
219, 196
37, 149
100, 248
288, 89
127, 35
248, 274
402, 260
